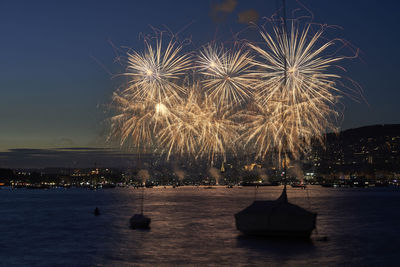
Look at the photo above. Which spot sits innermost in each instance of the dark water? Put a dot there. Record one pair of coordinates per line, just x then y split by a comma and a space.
193, 226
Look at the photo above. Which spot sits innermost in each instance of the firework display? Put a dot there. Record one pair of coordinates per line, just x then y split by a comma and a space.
273, 97
153, 75
295, 92
226, 74
200, 128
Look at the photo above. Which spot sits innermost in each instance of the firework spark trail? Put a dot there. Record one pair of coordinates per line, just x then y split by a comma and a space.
292, 109
181, 135
268, 127
132, 122
226, 76
200, 128
219, 131
136, 123
143, 107
155, 74
306, 65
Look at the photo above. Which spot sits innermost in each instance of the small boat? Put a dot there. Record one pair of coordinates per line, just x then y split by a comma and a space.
96, 211
276, 218
139, 221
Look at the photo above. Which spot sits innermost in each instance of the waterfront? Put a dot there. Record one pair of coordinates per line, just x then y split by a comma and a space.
193, 225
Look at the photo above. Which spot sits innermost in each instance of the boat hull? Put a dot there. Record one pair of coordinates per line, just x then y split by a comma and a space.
278, 218
139, 221
281, 233
275, 226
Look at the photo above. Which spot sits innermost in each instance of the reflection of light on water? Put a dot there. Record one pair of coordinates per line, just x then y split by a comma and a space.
194, 227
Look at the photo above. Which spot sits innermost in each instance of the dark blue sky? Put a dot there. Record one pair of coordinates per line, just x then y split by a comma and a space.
52, 90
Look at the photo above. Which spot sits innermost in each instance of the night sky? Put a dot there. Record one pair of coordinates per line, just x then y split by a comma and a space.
54, 56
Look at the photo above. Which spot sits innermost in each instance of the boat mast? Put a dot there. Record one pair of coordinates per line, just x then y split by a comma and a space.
284, 163
142, 201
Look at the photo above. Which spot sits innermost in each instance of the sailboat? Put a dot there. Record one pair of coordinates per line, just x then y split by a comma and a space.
139, 220
276, 218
